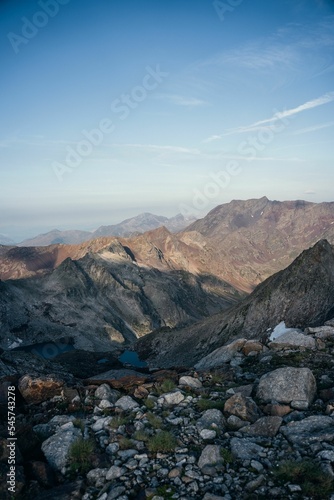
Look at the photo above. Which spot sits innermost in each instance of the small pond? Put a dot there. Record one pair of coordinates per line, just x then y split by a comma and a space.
132, 358
47, 350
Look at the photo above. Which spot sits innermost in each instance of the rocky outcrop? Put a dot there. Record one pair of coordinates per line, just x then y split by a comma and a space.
301, 295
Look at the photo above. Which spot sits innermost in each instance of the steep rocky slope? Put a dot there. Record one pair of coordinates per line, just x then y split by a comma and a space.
105, 299
302, 294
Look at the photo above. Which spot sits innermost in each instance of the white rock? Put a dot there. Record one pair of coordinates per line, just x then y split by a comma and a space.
190, 382
208, 434
172, 398
126, 403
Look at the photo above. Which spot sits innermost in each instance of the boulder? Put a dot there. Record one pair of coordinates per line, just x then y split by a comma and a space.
317, 428
265, 426
56, 448
221, 355
38, 389
286, 385
104, 391
242, 407
211, 419
293, 340
126, 403
210, 456
190, 382
245, 449
172, 398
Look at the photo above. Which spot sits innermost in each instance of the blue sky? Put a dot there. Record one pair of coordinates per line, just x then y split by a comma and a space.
112, 108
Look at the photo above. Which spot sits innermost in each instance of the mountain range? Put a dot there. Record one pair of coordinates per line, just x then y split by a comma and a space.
112, 291
133, 226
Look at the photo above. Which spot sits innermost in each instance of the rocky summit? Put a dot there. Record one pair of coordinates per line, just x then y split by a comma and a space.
258, 425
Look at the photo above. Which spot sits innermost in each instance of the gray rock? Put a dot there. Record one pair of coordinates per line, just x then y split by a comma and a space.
208, 434
211, 419
113, 473
235, 423
210, 496
265, 426
293, 340
116, 492
104, 391
326, 455
287, 384
242, 407
221, 355
210, 456
126, 403
190, 382
95, 476
322, 332
101, 423
56, 448
172, 398
245, 449
317, 428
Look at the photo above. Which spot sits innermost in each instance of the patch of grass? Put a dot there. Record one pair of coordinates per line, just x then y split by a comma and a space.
166, 385
141, 435
149, 403
119, 420
226, 455
217, 377
313, 481
163, 441
125, 443
154, 421
80, 455
208, 404
79, 423
166, 492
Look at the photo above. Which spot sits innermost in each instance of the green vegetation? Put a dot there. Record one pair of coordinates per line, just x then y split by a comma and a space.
141, 435
79, 423
125, 443
149, 403
313, 481
80, 456
208, 404
166, 385
226, 455
163, 441
119, 420
154, 421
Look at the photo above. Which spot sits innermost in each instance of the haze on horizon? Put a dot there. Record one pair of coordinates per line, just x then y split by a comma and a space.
110, 109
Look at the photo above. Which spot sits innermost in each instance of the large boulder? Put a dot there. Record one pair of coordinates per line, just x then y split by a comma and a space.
38, 389
293, 340
221, 355
56, 448
242, 407
287, 385
314, 429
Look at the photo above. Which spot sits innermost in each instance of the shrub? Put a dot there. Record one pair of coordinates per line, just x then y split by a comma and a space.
141, 435
166, 385
162, 441
208, 404
226, 455
149, 403
80, 455
154, 421
125, 443
313, 481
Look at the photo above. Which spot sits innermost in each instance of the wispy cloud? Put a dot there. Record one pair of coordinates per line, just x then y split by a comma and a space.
314, 128
180, 100
159, 149
279, 115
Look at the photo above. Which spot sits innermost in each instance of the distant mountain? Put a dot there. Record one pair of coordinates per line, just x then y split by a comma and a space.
4, 240
129, 227
57, 237
301, 295
142, 223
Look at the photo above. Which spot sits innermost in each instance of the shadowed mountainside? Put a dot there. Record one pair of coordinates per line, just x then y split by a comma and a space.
301, 295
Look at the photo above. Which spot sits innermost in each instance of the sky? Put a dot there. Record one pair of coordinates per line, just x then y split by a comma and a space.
112, 108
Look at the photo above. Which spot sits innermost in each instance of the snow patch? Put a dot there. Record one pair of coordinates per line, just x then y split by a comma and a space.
280, 330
